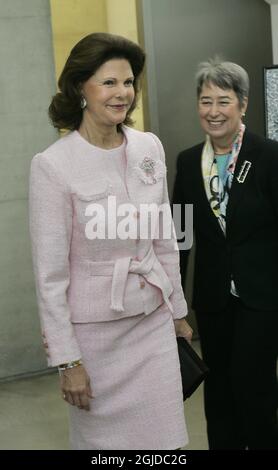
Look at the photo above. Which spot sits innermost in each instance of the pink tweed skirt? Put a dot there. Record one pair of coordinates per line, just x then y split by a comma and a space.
135, 377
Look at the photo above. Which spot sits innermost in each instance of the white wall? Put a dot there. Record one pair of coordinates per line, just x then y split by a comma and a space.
27, 81
274, 28
178, 34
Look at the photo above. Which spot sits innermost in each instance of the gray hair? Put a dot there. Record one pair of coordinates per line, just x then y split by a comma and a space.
225, 75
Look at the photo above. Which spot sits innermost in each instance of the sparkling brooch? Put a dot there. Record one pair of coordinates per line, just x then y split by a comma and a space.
150, 171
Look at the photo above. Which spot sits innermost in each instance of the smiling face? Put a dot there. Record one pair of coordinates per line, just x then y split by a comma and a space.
109, 93
220, 114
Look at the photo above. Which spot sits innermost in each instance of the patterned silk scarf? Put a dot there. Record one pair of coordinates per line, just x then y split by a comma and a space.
217, 191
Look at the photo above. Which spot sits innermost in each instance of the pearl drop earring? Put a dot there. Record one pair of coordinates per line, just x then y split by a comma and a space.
83, 103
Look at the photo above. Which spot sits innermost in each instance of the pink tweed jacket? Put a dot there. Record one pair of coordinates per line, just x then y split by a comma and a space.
84, 280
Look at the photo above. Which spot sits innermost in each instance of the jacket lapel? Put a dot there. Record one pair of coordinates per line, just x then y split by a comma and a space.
241, 182
246, 154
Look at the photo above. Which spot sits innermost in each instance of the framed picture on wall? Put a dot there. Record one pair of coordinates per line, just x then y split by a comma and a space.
271, 101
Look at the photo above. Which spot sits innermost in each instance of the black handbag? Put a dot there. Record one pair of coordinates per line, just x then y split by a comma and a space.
193, 368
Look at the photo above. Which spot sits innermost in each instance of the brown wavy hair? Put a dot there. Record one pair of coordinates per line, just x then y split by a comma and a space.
85, 58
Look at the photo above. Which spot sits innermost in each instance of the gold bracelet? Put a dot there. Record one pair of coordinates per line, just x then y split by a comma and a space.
70, 365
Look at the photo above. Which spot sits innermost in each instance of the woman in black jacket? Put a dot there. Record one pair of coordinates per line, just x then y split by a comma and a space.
232, 181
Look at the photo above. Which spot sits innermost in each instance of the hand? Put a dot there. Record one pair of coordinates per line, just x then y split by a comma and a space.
76, 389
183, 329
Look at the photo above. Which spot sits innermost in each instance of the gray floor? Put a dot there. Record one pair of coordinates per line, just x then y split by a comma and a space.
33, 416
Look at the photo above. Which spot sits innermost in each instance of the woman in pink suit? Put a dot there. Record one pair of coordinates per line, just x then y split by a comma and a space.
109, 291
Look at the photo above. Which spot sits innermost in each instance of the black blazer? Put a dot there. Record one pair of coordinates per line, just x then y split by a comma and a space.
249, 252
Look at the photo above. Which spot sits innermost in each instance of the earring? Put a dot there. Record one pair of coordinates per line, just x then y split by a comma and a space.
83, 103
243, 114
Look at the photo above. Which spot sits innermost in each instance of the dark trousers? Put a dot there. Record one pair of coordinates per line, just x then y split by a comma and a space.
240, 347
